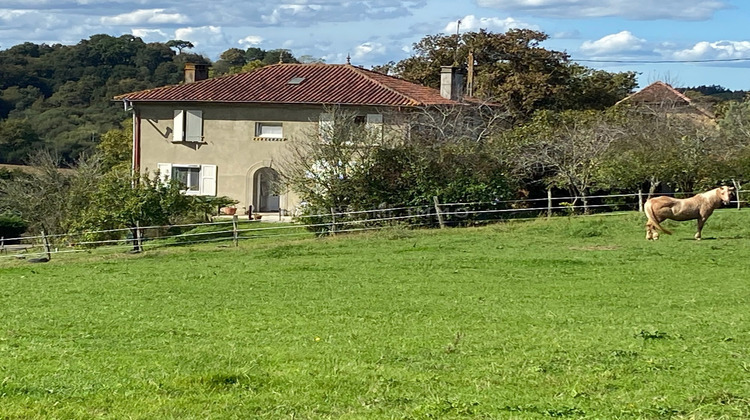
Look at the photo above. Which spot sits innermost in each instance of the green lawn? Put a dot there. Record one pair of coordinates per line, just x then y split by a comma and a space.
576, 318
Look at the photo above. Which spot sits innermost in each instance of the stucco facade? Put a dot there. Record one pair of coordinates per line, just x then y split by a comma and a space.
226, 136
230, 142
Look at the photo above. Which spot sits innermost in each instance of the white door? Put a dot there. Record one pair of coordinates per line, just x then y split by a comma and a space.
267, 197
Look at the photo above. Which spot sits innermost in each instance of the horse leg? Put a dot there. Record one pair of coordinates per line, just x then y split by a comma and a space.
701, 222
652, 233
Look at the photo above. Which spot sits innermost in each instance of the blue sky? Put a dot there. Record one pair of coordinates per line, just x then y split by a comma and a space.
682, 42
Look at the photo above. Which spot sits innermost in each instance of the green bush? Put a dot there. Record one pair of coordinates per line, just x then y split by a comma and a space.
12, 226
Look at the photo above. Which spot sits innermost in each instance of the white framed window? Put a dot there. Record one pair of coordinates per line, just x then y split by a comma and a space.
269, 130
374, 125
195, 179
188, 125
325, 126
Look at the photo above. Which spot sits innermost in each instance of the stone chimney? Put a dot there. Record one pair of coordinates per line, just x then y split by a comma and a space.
195, 72
451, 82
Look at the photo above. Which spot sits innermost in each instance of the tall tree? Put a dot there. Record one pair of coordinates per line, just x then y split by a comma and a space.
513, 70
179, 44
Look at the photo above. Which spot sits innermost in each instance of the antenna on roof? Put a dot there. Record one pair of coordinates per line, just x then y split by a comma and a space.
348, 59
458, 40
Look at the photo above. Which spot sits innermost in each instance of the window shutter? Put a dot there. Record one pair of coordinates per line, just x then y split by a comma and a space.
178, 131
194, 126
325, 126
208, 180
374, 125
165, 171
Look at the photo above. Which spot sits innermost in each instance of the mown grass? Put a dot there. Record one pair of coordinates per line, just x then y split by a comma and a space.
575, 318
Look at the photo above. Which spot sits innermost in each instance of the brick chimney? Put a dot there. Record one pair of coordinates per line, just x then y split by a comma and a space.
451, 82
195, 72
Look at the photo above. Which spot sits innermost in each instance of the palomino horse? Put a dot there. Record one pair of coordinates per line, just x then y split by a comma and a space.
699, 207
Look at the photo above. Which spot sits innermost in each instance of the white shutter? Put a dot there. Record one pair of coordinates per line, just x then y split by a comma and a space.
208, 180
194, 126
374, 125
165, 171
178, 130
325, 126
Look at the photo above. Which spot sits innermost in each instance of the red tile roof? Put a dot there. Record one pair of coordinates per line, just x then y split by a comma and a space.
342, 84
662, 93
657, 92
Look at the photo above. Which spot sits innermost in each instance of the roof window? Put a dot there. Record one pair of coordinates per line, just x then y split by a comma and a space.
295, 80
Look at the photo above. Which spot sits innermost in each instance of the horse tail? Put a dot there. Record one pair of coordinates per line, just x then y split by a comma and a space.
652, 217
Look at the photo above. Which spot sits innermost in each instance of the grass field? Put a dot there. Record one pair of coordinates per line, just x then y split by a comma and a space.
576, 318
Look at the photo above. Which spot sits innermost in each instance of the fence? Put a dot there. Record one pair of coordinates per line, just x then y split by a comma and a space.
41, 248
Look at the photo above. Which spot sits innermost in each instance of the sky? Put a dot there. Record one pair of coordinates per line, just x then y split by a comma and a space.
681, 42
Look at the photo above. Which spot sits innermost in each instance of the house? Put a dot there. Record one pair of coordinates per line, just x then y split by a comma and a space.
221, 136
663, 97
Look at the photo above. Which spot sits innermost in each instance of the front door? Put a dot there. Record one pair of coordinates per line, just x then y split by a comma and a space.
266, 184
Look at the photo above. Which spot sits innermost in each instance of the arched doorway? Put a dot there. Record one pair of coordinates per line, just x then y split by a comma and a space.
266, 182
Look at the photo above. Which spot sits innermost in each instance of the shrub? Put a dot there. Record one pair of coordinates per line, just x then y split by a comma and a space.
12, 226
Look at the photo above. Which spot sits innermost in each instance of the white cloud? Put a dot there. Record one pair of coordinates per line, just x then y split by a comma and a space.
720, 50
203, 35
613, 44
631, 9
472, 23
9, 15
250, 41
150, 35
145, 16
366, 49
290, 12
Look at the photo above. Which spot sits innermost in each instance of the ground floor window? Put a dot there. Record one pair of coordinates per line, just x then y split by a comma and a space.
188, 176
195, 179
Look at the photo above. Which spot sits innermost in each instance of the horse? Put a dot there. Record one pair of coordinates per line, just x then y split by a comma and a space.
699, 207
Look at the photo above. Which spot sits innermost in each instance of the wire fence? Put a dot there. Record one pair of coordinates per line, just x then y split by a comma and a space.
136, 239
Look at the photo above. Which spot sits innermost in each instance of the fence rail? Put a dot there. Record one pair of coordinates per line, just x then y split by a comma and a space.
436, 214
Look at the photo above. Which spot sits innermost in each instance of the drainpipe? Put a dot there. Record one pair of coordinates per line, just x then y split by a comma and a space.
136, 142
135, 161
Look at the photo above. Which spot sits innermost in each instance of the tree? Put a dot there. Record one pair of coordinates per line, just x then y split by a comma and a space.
732, 146
278, 56
235, 57
116, 146
18, 141
412, 158
386, 68
594, 89
662, 147
569, 148
322, 167
39, 196
179, 44
513, 70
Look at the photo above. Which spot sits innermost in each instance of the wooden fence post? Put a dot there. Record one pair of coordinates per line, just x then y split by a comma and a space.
549, 202
46, 245
138, 239
737, 193
640, 200
333, 221
439, 213
2, 245
235, 234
